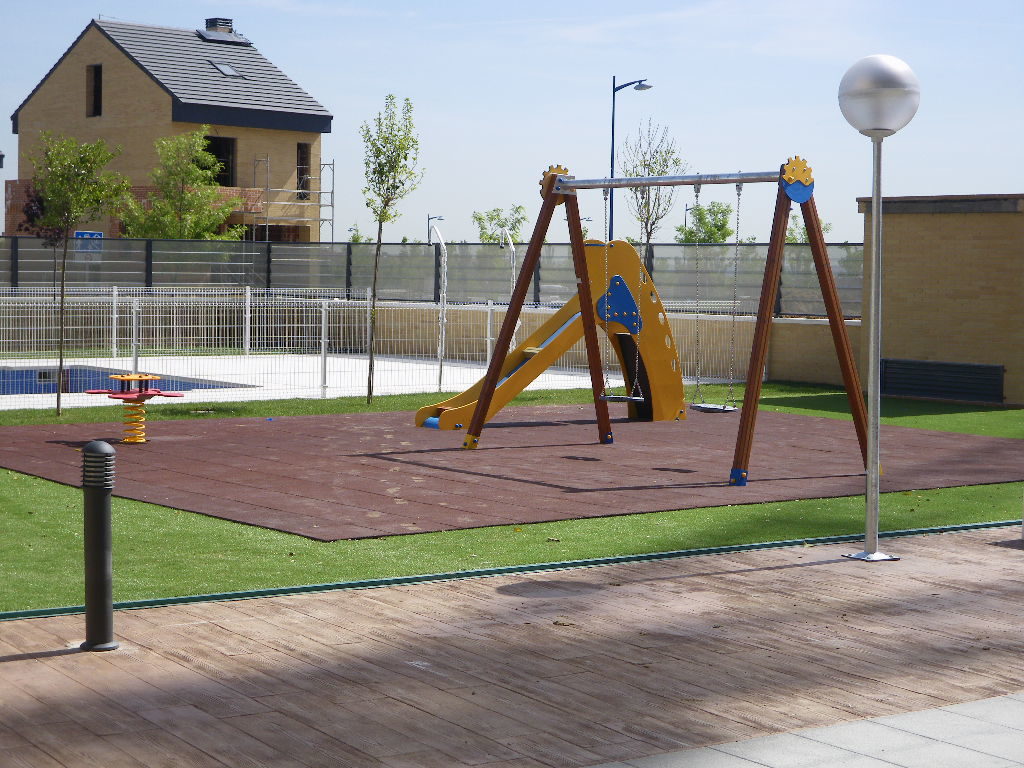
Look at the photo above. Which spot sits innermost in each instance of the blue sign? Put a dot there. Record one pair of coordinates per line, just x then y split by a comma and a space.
88, 243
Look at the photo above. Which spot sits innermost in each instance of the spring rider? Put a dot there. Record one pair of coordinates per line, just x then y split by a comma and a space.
133, 394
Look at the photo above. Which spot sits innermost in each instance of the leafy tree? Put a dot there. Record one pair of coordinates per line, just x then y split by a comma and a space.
69, 189
357, 236
652, 153
187, 203
796, 231
708, 224
490, 223
391, 153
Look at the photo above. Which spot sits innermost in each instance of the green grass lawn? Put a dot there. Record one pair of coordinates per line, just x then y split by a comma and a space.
161, 552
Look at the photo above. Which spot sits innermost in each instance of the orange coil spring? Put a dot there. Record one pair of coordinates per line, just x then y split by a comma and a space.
134, 422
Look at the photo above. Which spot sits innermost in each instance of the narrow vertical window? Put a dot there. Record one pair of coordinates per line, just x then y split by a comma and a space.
303, 170
224, 150
94, 90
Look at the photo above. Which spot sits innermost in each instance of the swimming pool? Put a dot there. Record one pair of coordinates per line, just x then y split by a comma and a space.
78, 378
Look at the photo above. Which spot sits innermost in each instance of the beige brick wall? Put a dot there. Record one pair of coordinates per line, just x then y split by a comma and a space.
802, 350
953, 281
136, 112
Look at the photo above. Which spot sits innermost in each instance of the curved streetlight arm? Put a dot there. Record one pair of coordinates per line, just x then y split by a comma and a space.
631, 82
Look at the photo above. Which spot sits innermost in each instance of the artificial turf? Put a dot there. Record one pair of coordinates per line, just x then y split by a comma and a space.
161, 552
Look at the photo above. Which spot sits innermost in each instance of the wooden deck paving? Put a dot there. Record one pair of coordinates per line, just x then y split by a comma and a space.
569, 668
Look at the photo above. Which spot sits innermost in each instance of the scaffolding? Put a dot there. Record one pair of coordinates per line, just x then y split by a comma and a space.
311, 202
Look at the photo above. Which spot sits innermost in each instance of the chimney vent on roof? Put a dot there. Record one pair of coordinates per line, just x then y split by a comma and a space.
218, 24
219, 30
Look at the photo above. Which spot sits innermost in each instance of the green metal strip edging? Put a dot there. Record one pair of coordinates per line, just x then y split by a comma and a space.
392, 581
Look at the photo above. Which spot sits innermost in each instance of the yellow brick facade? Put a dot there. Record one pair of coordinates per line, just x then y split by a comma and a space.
953, 281
136, 111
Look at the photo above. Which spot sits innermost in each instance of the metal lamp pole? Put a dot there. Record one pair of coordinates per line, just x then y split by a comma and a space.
638, 85
430, 219
878, 96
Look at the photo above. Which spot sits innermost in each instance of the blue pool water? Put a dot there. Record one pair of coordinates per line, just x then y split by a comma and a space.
78, 378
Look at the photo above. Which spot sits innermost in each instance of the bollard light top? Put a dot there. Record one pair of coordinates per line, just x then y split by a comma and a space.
99, 448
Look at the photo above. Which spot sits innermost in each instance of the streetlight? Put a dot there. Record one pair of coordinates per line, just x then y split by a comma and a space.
878, 96
430, 219
638, 85
686, 211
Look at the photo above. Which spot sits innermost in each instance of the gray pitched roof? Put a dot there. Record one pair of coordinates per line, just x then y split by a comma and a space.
182, 62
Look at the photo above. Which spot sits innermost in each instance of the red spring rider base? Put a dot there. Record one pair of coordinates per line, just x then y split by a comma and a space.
134, 399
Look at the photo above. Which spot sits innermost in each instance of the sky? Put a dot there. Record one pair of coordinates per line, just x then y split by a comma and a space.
503, 90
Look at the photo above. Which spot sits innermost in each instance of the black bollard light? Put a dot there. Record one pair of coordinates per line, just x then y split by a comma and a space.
97, 485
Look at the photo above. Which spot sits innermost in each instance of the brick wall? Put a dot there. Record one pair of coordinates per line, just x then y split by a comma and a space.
953, 281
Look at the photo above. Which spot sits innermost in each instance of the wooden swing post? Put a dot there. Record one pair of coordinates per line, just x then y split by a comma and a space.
762, 332
837, 323
552, 199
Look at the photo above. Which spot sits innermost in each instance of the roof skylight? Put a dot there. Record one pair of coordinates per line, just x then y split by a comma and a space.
226, 69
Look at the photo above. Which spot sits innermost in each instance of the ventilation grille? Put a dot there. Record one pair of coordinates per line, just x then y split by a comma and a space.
971, 382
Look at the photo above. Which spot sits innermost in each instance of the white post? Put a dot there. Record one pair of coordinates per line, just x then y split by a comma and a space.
113, 321
490, 328
247, 320
136, 324
323, 349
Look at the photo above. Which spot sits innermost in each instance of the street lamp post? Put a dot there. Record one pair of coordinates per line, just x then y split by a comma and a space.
878, 96
638, 85
430, 219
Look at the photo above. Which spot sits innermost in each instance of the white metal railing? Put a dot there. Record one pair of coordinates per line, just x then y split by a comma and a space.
249, 343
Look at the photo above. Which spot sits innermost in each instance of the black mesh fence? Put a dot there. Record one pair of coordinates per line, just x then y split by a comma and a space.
712, 278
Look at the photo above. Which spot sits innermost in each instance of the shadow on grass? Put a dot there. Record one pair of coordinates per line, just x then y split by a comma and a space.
837, 403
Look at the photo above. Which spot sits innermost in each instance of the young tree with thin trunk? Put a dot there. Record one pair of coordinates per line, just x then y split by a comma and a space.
69, 189
187, 203
652, 153
391, 153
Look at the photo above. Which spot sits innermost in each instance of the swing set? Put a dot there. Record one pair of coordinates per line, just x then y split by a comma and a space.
795, 185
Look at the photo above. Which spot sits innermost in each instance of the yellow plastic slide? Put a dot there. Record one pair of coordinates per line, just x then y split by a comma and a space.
630, 312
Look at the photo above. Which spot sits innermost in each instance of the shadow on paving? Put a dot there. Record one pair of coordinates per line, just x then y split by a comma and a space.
595, 665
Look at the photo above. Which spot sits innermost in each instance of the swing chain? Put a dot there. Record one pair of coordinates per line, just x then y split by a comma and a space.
731, 397
696, 264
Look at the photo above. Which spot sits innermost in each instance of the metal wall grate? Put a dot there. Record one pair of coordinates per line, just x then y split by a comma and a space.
973, 382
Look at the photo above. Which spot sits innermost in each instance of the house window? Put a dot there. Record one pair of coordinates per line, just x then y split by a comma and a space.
303, 170
224, 150
94, 90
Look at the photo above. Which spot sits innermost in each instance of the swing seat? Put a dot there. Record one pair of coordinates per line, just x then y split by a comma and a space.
713, 408
621, 399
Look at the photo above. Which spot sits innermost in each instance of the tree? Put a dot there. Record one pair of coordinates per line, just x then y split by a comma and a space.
391, 153
653, 153
796, 231
708, 224
187, 203
69, 189
357, 236
490, 223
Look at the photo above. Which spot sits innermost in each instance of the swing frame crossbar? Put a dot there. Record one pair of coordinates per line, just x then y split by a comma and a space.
565, 185
559, 188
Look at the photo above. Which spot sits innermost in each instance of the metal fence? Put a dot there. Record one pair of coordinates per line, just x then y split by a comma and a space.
476, 272
199, 317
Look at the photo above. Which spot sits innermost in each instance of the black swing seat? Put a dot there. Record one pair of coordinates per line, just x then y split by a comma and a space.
712, 408
622, 399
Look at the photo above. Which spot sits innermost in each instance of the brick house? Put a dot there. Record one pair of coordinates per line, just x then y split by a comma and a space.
130, 84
